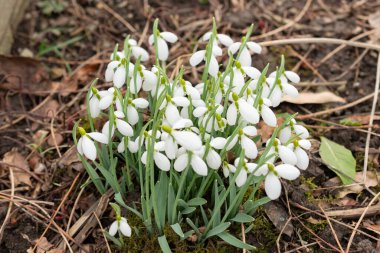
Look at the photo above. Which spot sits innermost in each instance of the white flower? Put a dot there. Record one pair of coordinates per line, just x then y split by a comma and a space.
86, 145
285, 153
196, 162
241, 107
302, 157
228, 168
138, 51
161, 161
243, 174
122, 226
247, 144
272, 181
224, 39
121, 125
162, 46
107, 98
95, 97
245, 56
171, 110
299, 130
200, 56
132, 114
266, 113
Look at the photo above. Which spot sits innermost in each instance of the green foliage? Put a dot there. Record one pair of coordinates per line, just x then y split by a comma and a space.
50, 7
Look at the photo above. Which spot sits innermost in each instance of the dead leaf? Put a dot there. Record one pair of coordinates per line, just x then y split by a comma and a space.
373, 227
374, 21
58, 139
24, 75
44, 246
362, 119
314, 98
266, 131
279, 217
49, 109
346, 201
20, 176
373, 179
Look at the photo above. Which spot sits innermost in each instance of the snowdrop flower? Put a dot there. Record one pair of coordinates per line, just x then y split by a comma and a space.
247, 144
199, 56
273, 175
289, 75
224, 39
107, 99
133, 105
245, 56
94, 101
285, 153
299, 130
242, 108
161, 161
228, 168
243, 174
162, 46
266, 113
171, 110
121, 125
86, 145
138, 51
210, 118
195, 160
120, 224
173, 136
299, 148
133, 146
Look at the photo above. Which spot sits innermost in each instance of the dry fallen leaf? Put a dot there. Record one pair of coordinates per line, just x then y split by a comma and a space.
279, 217
373, 179
362, 119
49, 109
44, 246
374, 21
58, 139
20, 176
314, 98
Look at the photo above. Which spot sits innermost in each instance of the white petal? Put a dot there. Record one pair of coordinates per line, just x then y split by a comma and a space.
213, 159
197, 57
182, 123
132, 42
301, 131
133, 115
305, 144
124, 128
199, 111
188, 140
88, 148
302, 158
135, 84
206, 36
287, 171
99, 137
133, 146
263, 170
119, 77
251, 167
252, 72
105, 102
218, 142
232, 143
248, 112
290, 90
109, 74
241, 178
150, 80
163, 50
198, 165
231, 115
250, 130
79, 146
268, 116
113, 228
285, 134
181, 101
216, 50
121, 146
171, 148
234, 47
292, 76
245, 57
249, 146
192, 92
213, 68
141, 103
119, 114
144, 157
169, 37
94, 107
151, 39
181, 163
140, 52
161, 161
225, 40
125, 229
276, 96
254, 47
105, 129
226, 171
287, 155
272, 186
172, 113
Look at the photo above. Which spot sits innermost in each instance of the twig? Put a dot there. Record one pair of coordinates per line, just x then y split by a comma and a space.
318, 84
376, 93
103, 5
101, 227
7, 216
359, 221
332, 228
288, 25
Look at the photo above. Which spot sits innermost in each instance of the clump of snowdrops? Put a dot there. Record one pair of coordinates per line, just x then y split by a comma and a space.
190, 150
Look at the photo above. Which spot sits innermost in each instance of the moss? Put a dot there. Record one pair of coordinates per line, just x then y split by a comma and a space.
264, 232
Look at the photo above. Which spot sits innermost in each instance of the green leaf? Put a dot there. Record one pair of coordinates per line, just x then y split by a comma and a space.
178, 230
197, 202
164, 244
188, 210
228, 238
339, 159
218, 229
243, 218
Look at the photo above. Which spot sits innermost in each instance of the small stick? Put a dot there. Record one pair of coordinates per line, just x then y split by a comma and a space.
332, 228
7, 216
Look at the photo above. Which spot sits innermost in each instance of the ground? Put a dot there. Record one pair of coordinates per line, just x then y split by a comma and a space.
68, 45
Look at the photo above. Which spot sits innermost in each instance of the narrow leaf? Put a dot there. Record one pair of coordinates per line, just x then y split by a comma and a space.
228, 238
164, 244
178, 230
243, 218
218, 229
197, 202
